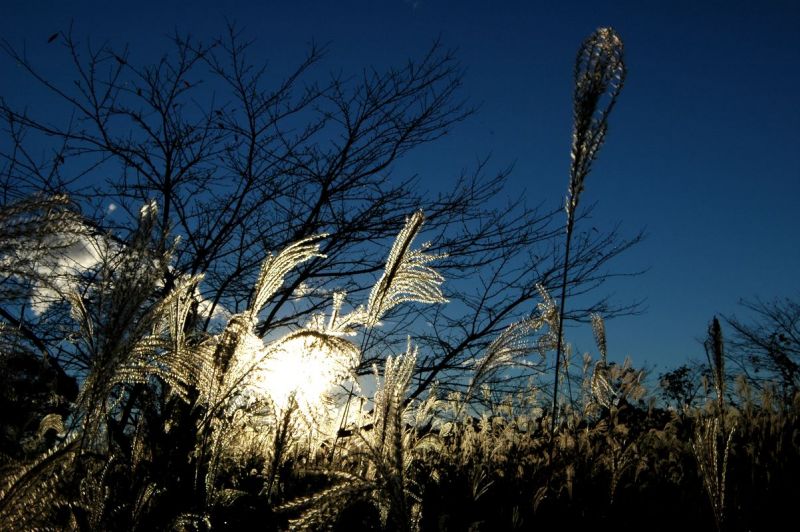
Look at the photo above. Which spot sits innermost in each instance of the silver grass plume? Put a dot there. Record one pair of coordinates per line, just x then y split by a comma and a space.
163, 353
119, 335
51, 422
34, 228
385, 443
338, 300
226, 363
338, 324
344, 353
407, 276
548, 313
274, 270
29, 494
603, 392
159, 352
390, 394
178, 307
324, 507
599, 76
507, 350
599, 330
714, 348
390, 446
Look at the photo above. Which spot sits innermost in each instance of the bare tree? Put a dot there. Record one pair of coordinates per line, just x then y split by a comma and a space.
767, 347
240, 165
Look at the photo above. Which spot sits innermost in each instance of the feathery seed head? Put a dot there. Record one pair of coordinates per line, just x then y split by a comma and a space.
599, 330
275, 268
599, 76
407, 276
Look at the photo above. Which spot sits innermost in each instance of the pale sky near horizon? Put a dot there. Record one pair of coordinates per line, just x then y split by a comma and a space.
701, 151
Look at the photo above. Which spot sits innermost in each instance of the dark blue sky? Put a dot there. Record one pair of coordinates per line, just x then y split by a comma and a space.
701, 151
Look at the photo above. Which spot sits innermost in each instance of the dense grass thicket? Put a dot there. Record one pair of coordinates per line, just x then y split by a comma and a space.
171, 426
173, 429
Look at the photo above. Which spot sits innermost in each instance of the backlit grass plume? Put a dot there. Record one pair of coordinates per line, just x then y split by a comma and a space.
407, 276
599, 330
509, 349
275, 269
238, 333
714, 347
599, 75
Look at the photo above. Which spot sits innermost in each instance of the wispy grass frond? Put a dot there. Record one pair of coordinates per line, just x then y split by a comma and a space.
50, 422
343, 324
391, 445
326, 506
599, 330
345, 352
178, 304
390, 393
548, 313
382, 456
599, 76
162, 353
30, 495
82, 317
603, 392
508, 350
407, 276
235, 346
615, 384
275, 268
33, 227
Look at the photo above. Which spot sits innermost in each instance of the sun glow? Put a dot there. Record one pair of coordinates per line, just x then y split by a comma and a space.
305, 368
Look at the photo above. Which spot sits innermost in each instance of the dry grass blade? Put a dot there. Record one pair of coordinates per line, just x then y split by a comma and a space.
712, 464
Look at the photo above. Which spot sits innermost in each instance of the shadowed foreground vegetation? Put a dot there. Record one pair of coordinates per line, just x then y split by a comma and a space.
173, 429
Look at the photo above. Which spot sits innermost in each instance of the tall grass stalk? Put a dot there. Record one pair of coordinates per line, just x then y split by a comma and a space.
407, 277
599, 76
